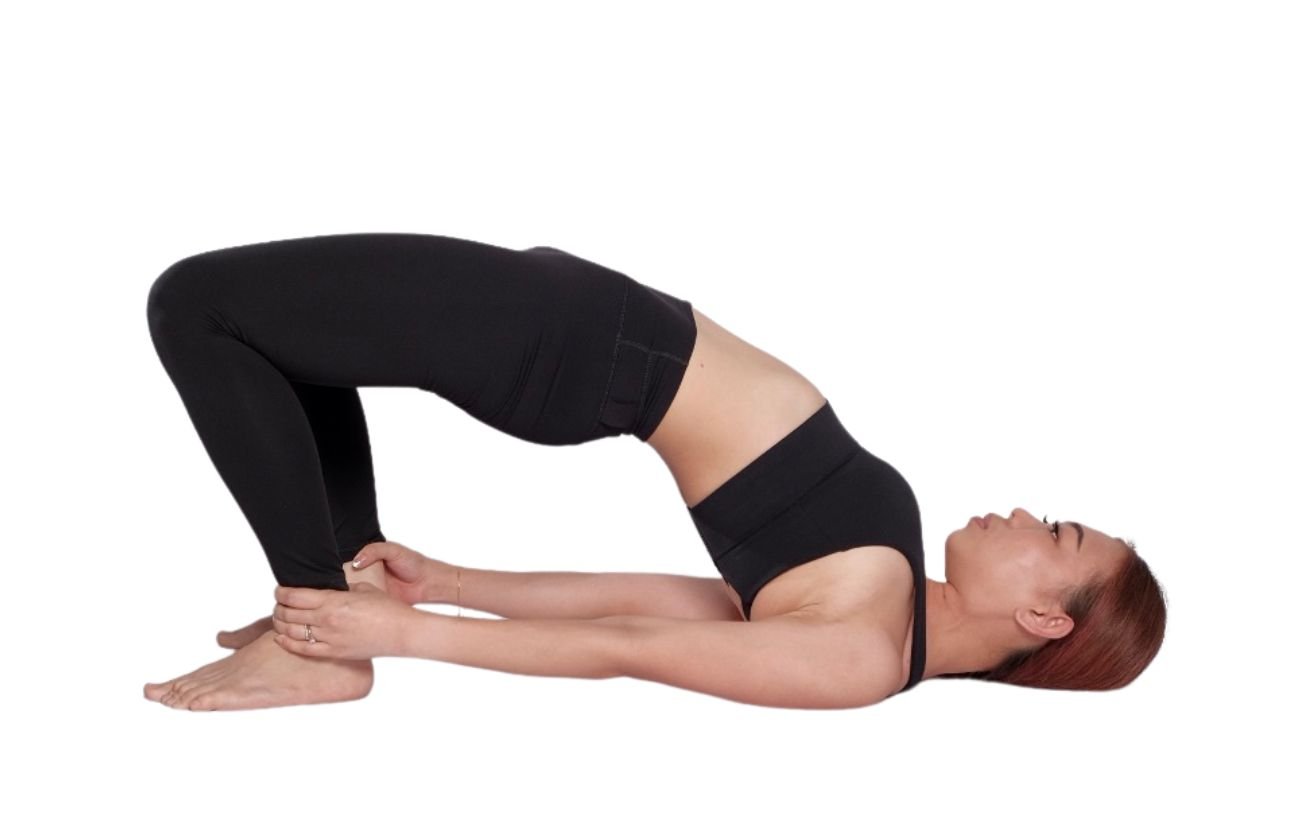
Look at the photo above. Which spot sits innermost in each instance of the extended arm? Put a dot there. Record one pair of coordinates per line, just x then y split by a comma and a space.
573, 594
786, 661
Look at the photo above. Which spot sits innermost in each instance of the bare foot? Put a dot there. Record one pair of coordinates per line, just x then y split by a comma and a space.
244, 635
262, 674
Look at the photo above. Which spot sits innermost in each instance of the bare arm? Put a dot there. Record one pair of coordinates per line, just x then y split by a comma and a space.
579, 595
787, 661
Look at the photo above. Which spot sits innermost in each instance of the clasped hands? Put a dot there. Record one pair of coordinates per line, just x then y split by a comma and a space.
357, 624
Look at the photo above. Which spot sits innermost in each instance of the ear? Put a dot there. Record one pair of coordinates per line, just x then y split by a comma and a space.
1052, 623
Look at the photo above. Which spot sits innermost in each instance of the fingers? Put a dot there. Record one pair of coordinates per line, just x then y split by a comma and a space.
374, 552
318, 649
295, 633
304, 597
293, 630
291, 615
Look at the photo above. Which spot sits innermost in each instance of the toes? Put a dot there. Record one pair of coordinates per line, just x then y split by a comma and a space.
186, 690
233, 639
155, 692
163, 693
173, 694
205, 701
195, 695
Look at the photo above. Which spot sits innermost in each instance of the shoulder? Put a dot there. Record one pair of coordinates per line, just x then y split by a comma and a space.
868, 651
871, 611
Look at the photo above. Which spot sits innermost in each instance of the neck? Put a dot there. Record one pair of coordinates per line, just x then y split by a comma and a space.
955, 641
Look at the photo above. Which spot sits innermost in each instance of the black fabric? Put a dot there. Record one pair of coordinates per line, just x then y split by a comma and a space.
816, 491
267, 344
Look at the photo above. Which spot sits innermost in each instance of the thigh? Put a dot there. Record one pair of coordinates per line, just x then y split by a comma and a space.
520, 339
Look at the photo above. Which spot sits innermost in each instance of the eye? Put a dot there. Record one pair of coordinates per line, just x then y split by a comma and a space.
1056, 527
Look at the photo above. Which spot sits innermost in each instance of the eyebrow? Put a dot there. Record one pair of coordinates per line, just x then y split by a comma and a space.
1079, 528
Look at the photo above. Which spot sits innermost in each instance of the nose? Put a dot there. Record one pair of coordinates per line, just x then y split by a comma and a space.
1025, 515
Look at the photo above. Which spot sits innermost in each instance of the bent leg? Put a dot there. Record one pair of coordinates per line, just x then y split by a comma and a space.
253, 426
338, 425
267, 343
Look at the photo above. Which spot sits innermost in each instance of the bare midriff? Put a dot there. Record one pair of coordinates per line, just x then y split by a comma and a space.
736, 401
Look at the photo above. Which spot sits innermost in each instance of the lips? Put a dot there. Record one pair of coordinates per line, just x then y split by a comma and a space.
983, 523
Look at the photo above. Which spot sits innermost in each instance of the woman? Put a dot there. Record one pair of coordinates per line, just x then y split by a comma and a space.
823, 600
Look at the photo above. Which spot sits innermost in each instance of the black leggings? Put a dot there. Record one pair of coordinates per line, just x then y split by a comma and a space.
267, 343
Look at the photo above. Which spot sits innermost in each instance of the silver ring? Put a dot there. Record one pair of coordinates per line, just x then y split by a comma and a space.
310, 637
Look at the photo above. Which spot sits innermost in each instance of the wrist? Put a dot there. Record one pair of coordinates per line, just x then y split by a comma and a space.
415, 633
447, 585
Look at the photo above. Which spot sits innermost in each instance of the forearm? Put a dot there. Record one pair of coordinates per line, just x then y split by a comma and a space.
578, 595
566, 648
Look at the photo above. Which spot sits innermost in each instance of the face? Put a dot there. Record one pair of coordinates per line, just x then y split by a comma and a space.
1020, 564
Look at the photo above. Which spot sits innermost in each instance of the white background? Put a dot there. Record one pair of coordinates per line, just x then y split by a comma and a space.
1035, 254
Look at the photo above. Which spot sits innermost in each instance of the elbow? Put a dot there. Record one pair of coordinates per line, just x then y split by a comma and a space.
621, 636
626, 644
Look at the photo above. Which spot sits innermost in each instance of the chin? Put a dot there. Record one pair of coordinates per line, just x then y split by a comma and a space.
952, 537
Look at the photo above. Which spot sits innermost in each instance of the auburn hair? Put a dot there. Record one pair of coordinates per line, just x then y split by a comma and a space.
1119, 625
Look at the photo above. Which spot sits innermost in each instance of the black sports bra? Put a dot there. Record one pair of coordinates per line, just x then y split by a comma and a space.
816, 491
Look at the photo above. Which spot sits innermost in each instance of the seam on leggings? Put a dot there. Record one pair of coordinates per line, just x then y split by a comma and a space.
645, 380
650, 351
627, 285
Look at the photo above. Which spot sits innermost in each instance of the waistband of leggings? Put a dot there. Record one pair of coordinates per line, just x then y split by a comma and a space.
779, 476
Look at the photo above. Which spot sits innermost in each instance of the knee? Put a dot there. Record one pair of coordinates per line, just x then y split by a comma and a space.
176, 297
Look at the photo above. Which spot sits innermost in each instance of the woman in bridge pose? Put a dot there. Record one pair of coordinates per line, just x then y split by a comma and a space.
822, 600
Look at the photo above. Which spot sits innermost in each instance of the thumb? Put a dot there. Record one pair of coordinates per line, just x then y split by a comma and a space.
372, 552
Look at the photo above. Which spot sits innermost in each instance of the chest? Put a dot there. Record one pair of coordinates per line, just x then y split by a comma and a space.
872, 581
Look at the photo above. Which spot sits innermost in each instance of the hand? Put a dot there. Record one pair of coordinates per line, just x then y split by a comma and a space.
408, 575
357, 624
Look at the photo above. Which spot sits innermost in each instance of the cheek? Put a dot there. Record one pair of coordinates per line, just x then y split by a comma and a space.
1003, 562
976, 559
